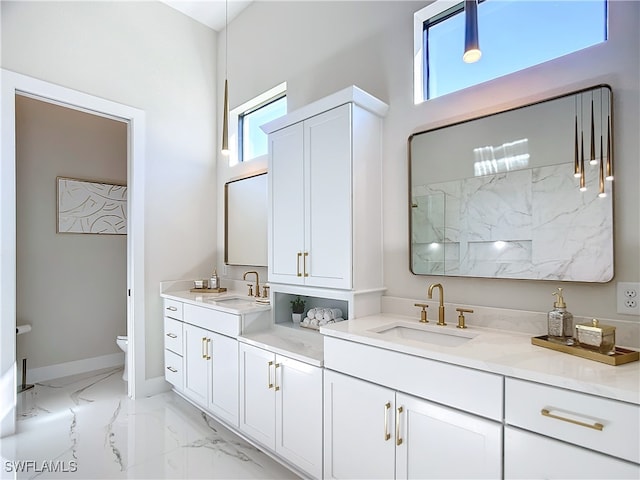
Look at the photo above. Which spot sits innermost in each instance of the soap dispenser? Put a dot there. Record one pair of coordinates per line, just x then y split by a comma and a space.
560, 321
214, 282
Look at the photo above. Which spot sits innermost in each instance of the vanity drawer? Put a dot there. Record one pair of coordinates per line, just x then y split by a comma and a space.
212, 320
173, 309
463, 388
602, 424
173, 335
173, 370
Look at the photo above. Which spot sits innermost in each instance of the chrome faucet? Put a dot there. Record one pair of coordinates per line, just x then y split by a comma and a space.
244, 277
441, 307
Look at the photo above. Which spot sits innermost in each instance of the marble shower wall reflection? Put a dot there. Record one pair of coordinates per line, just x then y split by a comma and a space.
498, 196
525, 224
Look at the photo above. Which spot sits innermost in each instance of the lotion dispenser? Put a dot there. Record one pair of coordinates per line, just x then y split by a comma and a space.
214, 281
560, 322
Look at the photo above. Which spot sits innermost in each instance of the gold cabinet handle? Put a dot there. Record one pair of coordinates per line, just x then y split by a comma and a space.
306, 254
298, 264
208, 357
275, 377
595, 425
172, 335
399, 410
269, 384
171, 369
172, 309
203, 345
387, 407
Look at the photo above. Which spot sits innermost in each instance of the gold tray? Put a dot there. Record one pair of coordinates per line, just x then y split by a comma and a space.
620, 357
208, 290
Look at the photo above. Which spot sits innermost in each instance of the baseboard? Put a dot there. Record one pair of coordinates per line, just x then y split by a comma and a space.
60, 370
154, 386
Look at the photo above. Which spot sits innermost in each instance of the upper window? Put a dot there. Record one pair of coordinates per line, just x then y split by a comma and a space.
245, 122
252, 140
513, 35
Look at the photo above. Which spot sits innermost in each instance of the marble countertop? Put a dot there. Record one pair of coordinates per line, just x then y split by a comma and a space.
290, 340
216, 301
505, 353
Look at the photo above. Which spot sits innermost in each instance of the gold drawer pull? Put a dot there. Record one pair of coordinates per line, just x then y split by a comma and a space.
298, 264
207, 356
306, 254
387, 407
269, 384
172, 335
203, 346
171, 369
275, 377
596, 426
399, 410
172, 309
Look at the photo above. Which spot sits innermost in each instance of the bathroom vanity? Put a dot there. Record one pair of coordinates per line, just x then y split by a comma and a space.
383, 396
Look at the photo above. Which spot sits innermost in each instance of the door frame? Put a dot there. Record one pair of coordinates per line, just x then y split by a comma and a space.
12, 84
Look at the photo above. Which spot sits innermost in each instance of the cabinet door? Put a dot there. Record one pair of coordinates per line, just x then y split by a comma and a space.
223, 395
528, 455
299, 414
257, 394
197, 355
328, 192
359, 428
286, 197
439, 442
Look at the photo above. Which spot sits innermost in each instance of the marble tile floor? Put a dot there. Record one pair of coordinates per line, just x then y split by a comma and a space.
85, 427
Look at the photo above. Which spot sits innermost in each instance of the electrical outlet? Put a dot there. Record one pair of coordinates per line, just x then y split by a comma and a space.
628, 294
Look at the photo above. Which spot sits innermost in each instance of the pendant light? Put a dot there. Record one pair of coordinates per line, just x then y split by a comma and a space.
225, 115
472, 51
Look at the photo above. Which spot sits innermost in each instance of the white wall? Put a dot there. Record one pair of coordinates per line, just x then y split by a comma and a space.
321, 47
148, 56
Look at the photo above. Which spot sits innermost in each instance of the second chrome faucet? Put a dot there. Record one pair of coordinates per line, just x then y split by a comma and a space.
441, 307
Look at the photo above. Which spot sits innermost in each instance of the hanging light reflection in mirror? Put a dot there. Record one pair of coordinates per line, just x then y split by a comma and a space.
594, 115
507, 157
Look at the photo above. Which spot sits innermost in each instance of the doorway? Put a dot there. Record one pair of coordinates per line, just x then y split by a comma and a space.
13, 84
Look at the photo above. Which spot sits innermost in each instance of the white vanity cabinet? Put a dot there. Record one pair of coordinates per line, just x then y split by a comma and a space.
573, 434
375, 432
325, 179
202, 362
281, 406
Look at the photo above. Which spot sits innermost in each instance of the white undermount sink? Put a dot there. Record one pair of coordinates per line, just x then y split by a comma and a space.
232, 302
447, 336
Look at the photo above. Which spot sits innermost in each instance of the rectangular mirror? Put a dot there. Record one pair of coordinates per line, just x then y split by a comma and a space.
507, 195
245, 232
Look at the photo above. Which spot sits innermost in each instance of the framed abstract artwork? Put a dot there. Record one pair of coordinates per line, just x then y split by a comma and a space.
91, 207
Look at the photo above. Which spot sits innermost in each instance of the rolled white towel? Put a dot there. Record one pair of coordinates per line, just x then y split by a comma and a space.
314, 322
319, 314
332, 313
311, 313
323, 322
305, 321
339, 320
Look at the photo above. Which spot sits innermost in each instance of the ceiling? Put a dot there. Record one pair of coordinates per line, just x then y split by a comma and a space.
209, 12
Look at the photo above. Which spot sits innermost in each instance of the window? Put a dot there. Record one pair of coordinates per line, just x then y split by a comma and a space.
245, 121
252, 140
514, 35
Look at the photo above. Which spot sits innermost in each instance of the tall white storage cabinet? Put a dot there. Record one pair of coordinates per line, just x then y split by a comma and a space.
325, 180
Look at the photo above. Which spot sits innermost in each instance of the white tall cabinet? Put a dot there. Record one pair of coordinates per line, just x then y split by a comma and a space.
325, 177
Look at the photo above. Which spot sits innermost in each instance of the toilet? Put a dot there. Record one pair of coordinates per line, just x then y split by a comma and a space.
123, 343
